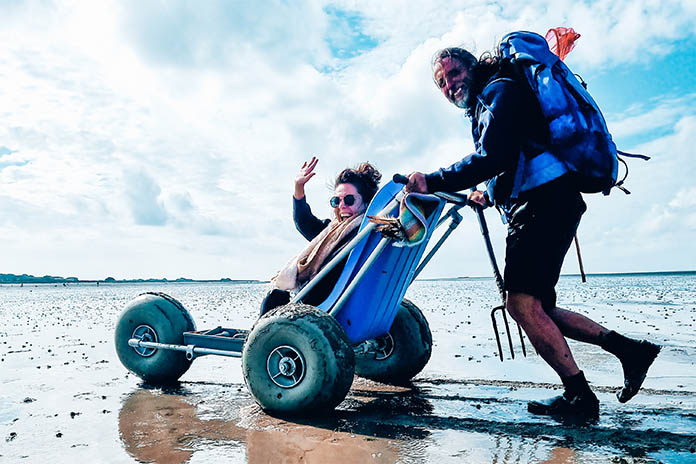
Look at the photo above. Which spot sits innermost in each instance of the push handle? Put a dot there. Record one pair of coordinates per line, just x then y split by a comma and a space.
455, 198
400, 179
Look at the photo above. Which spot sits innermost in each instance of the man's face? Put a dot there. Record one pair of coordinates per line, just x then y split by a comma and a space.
454, 80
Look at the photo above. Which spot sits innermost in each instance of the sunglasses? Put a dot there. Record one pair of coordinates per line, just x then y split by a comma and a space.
348, 200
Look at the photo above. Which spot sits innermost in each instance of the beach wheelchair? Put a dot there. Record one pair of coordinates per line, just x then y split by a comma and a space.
301, 359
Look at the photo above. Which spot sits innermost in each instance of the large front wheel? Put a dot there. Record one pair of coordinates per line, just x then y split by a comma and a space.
158, 318
403, 352
298, 360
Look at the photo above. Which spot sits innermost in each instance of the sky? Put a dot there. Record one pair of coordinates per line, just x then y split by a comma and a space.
161, 139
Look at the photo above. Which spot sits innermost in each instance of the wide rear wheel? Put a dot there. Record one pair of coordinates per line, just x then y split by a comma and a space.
297, 360
402, 353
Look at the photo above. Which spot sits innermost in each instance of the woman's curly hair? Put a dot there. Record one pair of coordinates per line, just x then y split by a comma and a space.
365, 177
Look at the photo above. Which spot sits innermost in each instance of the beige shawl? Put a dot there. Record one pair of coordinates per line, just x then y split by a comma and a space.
303, 267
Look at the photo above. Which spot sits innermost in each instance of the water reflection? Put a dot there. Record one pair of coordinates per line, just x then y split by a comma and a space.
164, 427
375, 424
562, 456
512, 449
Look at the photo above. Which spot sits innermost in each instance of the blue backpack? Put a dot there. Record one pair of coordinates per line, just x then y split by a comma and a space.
579, 135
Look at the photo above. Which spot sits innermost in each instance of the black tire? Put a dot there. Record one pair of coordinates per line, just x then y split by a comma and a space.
159, 318
297, 360
401, 354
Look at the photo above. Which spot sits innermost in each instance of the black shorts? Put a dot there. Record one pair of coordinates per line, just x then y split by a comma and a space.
540, 231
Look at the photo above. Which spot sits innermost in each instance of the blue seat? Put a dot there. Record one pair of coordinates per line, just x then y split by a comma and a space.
372, 307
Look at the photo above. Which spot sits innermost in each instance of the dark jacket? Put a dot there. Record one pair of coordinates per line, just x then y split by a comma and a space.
305, 222
506, 123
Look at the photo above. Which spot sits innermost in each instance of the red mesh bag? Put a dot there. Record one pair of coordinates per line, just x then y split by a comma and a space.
561, 40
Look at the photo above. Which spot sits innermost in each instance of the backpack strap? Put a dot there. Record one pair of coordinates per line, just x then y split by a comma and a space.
620, 153
480, 100
633, 155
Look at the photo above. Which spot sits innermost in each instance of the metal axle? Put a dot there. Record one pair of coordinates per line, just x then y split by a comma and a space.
192, 351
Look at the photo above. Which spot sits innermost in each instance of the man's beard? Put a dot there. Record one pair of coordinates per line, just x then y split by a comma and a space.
463, 103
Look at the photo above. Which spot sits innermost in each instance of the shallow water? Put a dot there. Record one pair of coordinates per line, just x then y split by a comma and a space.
66, 397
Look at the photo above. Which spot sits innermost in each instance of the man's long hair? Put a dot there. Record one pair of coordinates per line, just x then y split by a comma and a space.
482, 69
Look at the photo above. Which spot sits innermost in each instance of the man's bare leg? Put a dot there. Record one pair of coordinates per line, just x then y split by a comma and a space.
577, 326
543, 333
578, 401
636, 356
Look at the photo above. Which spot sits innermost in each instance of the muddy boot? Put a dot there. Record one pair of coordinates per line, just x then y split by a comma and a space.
273, 299
577, 404
636, 358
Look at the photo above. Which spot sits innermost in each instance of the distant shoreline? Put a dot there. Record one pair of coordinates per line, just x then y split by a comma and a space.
23, 279
30, 279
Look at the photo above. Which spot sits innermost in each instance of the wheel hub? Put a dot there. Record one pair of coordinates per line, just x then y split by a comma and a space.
145, 333
381, 348
285, 366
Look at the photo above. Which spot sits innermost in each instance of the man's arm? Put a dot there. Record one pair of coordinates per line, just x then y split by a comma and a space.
498, 144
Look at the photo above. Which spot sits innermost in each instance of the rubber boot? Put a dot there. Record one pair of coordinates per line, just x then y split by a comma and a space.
273, 299
636, 357
577, 403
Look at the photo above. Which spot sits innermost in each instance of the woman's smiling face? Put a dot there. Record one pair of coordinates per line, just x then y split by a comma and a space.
344, 211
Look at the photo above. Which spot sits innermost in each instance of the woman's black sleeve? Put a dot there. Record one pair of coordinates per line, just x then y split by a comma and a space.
307, 223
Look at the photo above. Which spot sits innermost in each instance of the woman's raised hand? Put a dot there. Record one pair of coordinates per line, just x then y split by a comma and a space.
306, 173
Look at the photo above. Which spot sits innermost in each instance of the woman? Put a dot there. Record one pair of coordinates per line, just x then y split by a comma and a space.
354, 188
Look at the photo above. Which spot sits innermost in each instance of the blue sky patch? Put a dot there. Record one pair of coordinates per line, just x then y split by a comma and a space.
4, 151
627, 90
668, 76
345, 36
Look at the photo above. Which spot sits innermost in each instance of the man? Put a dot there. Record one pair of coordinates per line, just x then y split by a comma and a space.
508, 128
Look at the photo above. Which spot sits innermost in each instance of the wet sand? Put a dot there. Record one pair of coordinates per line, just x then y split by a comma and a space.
65, 397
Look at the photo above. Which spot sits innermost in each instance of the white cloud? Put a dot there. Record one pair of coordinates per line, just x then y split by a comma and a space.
641, 119
684, 199
143, 194
653, 228
215, 34
168, 134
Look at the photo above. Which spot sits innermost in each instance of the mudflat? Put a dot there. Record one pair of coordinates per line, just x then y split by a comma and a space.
65, 397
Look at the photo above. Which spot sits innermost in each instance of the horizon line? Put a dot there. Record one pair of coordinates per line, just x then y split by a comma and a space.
60, 279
